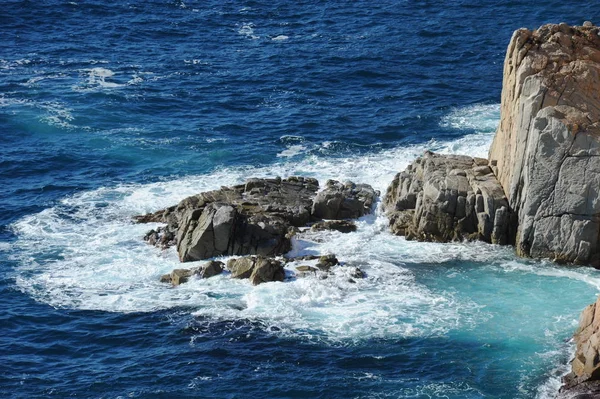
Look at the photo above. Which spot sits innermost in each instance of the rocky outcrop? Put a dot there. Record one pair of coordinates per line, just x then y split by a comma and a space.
256, 268
546, 152
326, 262
448, 197
180, 276
343, 226
343, 201
545, 156
584, 378
256, 218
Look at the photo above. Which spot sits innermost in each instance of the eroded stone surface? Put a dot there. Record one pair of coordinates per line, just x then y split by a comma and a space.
585, 367
343, 226
258, 269
546, 151
255, 218
448, 197
180, 276
344, 201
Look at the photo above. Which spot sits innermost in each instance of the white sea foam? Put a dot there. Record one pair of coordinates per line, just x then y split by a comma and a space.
247, 30
97, 78
57, 114
292, 151
85, 253
479, 117
53, 113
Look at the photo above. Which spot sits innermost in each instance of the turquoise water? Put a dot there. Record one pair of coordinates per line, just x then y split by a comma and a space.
108, 111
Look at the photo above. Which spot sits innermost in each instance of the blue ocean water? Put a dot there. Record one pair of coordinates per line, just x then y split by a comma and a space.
111, 109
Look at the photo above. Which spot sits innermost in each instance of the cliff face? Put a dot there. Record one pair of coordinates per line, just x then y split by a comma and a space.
546, 152
585, 367
448, 197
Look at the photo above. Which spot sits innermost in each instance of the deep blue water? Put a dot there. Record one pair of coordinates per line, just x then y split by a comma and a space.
108, 110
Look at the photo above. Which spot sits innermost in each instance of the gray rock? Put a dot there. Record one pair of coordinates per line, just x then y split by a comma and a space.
304, 257
210, 269
258, 269
343, 226
546, 150
255, 218
584, 378
446, 198
343, 201
326, 262
241, 267
306, 269
180, 276
267, 270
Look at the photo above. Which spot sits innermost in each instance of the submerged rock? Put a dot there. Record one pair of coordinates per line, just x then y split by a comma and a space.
304, 269
546, 152
255, 218
448, 197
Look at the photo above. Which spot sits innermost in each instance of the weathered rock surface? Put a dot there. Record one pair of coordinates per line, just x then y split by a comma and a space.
584, 378
180, 276
326, 262
211, 268
256, 218
343, 201
256, 268
343, 226
546, 152
448, 197
304, 270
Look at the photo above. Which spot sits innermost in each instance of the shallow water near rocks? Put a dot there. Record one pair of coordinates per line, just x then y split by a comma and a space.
112, 111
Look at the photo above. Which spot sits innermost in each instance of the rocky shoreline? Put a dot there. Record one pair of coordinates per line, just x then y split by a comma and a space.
538, 190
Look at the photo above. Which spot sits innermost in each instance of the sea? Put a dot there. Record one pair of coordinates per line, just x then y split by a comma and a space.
109, 109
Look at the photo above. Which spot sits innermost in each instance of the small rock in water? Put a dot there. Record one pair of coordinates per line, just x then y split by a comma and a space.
211, 268
357, 273
326, 262
303, 271
343, 226
343, 201
258, 269
180, 276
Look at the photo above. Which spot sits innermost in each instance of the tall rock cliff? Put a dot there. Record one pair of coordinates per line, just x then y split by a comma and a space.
546, 152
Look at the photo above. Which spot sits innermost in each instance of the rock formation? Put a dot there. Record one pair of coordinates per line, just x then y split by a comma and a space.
343, 201
545, 155
256, 218
584, 378
448, 197
180, 276
256, 268
343, 226
546, 152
